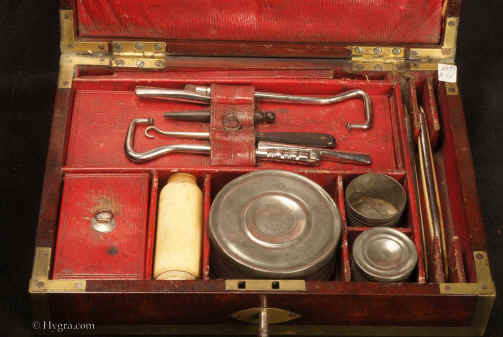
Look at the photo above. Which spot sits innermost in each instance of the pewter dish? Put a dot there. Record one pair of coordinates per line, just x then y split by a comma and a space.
273, 224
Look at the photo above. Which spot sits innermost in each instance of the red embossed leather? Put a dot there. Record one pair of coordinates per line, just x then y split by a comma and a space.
232, 145
371, 21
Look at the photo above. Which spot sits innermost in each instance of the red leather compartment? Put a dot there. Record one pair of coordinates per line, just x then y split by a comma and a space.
104, 108
343, 21
85, 253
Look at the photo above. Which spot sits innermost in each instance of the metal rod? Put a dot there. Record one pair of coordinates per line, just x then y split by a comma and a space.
410, 143
298, 138
158, 152
202, 95
263, 330
178, 134
274, 154
431, 194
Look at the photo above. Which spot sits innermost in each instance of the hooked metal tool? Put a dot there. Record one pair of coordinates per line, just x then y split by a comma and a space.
202, 95
299, 138
264, 150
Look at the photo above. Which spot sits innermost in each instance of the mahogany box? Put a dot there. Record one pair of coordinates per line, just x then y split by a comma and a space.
401, 52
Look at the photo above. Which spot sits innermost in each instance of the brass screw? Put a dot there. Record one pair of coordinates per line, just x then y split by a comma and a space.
358, 50
139, 45
479, 255
413, 53
157, 46
378, 51
397, 51
101, 47
67, 16
116, 46
140, 64
40, 284
446, 51
158, 63
452, 23
119, 62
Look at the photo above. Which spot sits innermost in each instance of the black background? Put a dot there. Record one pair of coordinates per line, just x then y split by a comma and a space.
29, 44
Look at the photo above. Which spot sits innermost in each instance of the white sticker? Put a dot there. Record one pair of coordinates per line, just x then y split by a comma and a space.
447, 73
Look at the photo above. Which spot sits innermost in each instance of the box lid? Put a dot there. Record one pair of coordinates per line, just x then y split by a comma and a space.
313, 21
366, 35
315, 28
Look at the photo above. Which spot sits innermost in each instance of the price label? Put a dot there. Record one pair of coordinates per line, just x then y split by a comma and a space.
447, 73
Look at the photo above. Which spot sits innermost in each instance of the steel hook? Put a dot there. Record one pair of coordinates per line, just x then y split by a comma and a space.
202, 95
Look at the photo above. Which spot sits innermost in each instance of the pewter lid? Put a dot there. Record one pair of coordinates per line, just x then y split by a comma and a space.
275, 224
384, 254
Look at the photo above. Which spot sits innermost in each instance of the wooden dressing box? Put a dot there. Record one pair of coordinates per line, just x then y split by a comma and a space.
389, 49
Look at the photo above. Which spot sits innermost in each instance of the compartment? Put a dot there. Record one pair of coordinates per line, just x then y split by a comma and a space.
102, 112
279, 232
204, 183
102, 230
417, 274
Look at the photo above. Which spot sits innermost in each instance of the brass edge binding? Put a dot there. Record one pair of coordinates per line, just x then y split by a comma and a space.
40, 283
124, 54
484, 289
451, 89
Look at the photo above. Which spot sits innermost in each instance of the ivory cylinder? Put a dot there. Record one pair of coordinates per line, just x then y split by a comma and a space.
179, 229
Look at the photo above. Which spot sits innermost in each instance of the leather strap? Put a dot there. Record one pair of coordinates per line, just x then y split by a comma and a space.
232, 129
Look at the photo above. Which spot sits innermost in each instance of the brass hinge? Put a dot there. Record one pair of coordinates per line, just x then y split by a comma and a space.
74, 52
395, 58
139, 54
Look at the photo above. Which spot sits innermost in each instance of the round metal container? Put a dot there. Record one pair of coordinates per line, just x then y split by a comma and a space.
273, 224
375, 200
384, 255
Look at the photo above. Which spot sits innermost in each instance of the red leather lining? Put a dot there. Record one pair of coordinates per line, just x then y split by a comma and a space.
370, 21
232, 130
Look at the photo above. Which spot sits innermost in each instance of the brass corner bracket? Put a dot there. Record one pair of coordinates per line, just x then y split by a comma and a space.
123, 54
40, 283
484, 289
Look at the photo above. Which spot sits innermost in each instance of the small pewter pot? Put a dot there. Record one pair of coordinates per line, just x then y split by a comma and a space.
384, 255
375, 200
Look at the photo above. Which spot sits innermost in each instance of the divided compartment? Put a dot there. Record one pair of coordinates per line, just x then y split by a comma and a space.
408, 225
334, 184
104, 104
